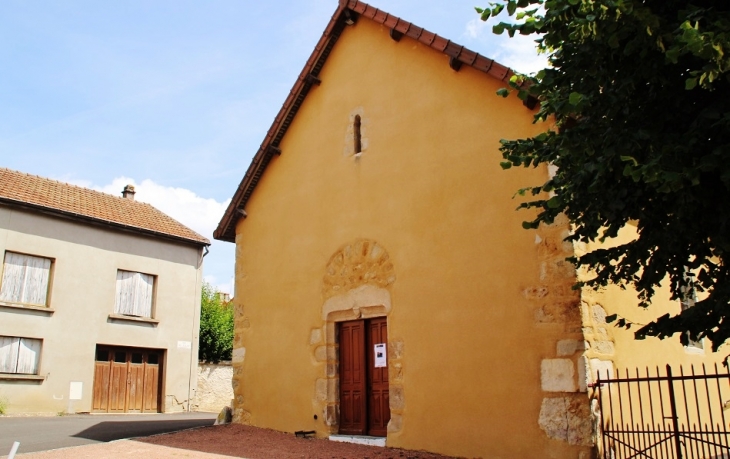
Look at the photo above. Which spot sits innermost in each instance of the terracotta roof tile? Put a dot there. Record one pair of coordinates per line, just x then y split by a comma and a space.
428, 37
89, 205
414, 32
391, 21
499, 71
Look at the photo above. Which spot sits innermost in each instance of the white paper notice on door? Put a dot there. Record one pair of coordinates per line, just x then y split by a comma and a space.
380, 357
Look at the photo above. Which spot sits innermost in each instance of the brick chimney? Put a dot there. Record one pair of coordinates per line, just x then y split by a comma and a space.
128, 192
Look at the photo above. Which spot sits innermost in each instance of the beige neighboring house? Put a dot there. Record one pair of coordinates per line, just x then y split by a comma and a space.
99, 301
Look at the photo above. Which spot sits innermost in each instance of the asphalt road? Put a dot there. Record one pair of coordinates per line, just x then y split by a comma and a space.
44, 433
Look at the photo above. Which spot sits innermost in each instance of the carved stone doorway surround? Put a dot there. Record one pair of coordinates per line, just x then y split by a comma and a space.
356, 285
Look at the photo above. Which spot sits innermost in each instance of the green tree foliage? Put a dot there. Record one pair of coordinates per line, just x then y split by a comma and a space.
639, 92
216, 327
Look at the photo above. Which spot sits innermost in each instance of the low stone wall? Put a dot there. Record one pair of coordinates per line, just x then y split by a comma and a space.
214, 386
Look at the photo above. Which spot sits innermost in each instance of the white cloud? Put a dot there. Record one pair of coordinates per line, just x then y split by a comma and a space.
519, 53
198, 213
226, 287
475, 28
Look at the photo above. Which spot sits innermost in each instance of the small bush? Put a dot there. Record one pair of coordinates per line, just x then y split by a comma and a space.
3, 405
216, 327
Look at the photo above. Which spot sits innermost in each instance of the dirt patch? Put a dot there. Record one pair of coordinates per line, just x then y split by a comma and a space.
256, 443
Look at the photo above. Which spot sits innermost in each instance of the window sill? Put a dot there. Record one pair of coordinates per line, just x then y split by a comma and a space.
145, 320
17, 377
28, 307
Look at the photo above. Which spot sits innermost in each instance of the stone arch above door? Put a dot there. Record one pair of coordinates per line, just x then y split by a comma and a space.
356, 285
361, 262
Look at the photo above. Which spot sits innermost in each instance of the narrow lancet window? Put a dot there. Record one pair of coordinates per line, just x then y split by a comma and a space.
357, 134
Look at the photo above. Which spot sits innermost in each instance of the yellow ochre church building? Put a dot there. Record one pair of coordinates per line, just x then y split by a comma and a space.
384, 285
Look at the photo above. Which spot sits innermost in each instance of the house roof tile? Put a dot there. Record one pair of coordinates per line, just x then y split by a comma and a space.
78, 203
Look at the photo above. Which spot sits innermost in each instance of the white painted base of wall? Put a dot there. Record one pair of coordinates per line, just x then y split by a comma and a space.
359, 439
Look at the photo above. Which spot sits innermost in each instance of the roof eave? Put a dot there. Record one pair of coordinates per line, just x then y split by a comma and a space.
102, 222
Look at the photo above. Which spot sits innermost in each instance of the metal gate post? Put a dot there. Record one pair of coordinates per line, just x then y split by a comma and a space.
597, 388
675, 418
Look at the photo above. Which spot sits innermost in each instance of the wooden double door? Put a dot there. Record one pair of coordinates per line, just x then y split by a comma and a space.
364, 399
127, 380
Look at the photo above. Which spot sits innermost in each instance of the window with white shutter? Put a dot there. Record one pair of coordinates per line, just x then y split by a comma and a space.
19, 355
134, 294
25, 279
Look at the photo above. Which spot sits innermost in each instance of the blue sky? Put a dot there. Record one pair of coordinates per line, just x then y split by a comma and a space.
174, 96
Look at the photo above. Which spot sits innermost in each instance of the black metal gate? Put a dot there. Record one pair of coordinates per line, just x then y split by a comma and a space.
665, 416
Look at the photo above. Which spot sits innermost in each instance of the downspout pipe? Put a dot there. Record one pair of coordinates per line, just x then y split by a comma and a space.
196, 321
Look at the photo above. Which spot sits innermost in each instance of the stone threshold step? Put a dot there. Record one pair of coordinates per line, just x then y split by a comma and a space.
359, 439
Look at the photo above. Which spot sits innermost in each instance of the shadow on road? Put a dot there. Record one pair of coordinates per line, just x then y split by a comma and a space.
112, 430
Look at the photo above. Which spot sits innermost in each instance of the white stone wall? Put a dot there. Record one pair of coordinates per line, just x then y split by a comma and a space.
214, 386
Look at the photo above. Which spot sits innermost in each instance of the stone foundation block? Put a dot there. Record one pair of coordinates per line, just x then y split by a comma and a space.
241, 416
557, 375
605, 367
568, 347
320, 353
604, 347
397, 399
331, 415
238, 355
320, 390
395, 348
315, 336
395, 424
599, 314
567, 419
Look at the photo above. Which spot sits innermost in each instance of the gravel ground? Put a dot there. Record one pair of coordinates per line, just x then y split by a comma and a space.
233, 440
256, 443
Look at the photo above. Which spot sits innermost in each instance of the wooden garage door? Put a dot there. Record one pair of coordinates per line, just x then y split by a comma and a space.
127, 380
364, 393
